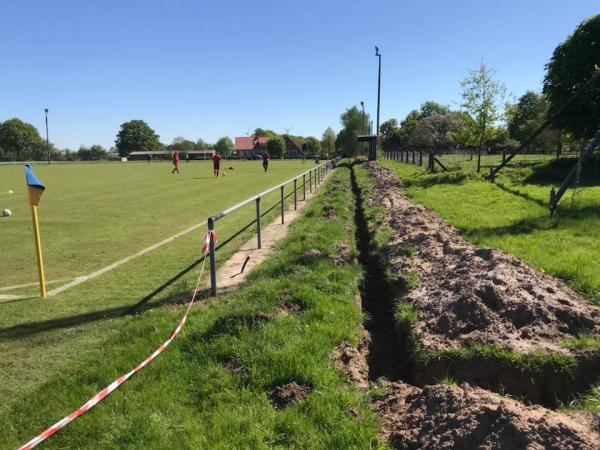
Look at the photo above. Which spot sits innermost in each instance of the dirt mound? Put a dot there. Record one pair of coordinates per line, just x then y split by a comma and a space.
283, 395
329, 211
352, 361
343, 255
461, 417
470, 294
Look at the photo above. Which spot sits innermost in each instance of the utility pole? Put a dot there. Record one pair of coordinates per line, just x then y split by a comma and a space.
362, 104
47, 140
378, 87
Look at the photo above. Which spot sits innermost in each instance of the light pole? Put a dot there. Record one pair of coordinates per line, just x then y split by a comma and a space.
47, 140
378, 87
362, 104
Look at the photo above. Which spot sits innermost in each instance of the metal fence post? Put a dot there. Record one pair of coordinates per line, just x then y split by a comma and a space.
213, 259
259, 242
295, 194
304, 187
282, 219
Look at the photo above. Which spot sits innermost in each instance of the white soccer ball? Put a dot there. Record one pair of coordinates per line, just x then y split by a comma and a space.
6, 212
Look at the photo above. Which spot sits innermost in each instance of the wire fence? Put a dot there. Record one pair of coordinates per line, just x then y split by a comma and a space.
301, 184
452, 160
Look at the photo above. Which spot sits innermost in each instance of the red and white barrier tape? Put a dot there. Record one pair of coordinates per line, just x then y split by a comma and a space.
123, 378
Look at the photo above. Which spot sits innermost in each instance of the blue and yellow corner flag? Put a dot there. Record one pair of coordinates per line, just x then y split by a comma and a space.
34, 186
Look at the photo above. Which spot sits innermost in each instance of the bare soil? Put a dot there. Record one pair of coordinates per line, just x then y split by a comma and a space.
475, 294
465, 417
286, 394
352, 361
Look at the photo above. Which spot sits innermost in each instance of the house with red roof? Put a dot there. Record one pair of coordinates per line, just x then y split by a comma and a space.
248, 146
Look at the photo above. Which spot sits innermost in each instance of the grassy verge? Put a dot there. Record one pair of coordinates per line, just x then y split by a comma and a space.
533, 363
211, 387
512, 215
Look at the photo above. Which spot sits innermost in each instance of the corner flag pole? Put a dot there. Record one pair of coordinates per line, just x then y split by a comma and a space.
35, 190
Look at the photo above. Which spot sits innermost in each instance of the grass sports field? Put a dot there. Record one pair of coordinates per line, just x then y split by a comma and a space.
512, 213
91, 216
94, 214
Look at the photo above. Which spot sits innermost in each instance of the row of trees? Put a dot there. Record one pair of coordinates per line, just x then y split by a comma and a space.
21, 141
485, 121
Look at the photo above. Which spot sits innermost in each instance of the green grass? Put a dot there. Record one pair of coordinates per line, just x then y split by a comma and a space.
584, 341
535, 363
589, 402
38, 337
512, 214
94, 214
188, 398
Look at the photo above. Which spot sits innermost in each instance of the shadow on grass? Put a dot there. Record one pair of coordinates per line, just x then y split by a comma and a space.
523, 195
521, 227
554, 172
180, 297
562, 219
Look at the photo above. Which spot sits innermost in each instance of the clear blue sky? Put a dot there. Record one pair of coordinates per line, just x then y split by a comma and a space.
208, 69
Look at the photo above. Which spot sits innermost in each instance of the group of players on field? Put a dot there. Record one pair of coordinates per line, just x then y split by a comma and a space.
217, 160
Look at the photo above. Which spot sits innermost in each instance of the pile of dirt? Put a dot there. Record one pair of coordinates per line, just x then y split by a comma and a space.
443, 416
329, 211
352, 361
469, 294
343, 255
283, 395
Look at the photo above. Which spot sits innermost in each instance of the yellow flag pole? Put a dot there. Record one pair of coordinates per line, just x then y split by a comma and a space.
38, 250
35, 190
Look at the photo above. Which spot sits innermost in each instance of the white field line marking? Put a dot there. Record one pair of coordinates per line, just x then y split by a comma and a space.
81, 279
13, 297
18, 286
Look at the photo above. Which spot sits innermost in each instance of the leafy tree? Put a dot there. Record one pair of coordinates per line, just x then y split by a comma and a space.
391, 133
259, 132
388, 128
313, 145
526, 116
224, 146
201, 145
465, 135
429, 108
276, 147
21, 139
328, 141
136, 135
347, 138
435, 131
573, 64
481, 96
70, 155
408, 126
94, 153
182, 145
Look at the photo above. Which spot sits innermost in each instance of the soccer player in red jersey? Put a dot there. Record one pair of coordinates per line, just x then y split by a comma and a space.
216, 163
176, 160
265, 159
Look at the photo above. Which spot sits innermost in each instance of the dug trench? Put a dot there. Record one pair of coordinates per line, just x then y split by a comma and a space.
386, 353
461, 334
